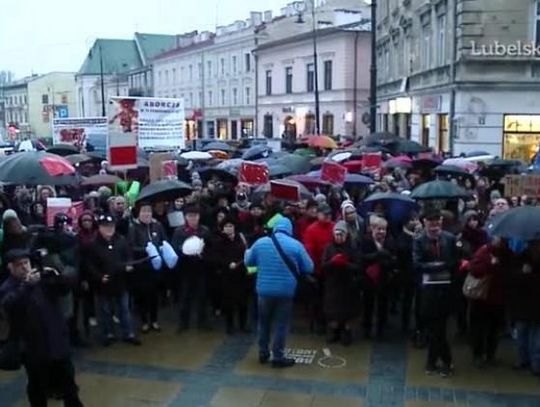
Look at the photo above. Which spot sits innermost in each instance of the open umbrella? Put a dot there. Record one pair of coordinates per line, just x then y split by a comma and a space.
278, 171
439, 190
223, 175
340, 156
397, 207
257, 152
297, 164
63, 149
197, 156
452, 170
309, 181
402, 161
350, 179
218, 145
521, 223
78, 158
232, 165
463, 163
378, 138
101, 179
305, 152
164, 190
36, 168
325, 142
476, 153
404, 146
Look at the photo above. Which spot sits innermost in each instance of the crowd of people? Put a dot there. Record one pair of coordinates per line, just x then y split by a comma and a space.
222, 254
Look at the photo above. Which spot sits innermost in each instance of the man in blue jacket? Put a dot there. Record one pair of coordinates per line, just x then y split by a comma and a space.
276, 286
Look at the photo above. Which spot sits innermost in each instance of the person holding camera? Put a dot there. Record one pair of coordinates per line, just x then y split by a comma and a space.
31, 299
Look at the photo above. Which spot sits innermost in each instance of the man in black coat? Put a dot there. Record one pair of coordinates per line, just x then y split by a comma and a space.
31, 299
194, 269
435, 258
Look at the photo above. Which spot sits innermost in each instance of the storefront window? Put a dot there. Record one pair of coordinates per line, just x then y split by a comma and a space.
521, 136
426, 122
268, 126
222, 129
395, 130
310, 124
246, 128
328, 124
234, 129
408, 122
211, 129
443, 143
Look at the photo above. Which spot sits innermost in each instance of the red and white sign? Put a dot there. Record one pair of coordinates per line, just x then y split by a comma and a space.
285, 191
64, 205
333, 172
372, 163
169, 169
77, 130
253, 173
122, 134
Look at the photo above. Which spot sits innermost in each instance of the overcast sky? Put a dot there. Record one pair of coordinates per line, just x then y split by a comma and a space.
40, 36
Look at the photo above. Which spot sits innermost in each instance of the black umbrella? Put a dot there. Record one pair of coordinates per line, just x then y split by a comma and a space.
218, 145
453, 170
521, 223
403, 146
78, 158
37, 168
439, 190
221, 174
101, 179
278, 171
257, 152
379, 138
297, 164
165, 190
63, 149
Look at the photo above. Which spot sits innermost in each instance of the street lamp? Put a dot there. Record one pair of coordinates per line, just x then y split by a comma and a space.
373, 70
300, 8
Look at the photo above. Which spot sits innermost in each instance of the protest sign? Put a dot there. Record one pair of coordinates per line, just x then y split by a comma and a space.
253, 173
285, 191
333, 172
78, 131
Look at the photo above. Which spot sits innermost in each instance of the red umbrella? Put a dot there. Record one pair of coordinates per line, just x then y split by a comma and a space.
401, 161
321, 142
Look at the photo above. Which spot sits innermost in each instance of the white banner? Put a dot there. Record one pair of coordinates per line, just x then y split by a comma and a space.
78, 131
158, 122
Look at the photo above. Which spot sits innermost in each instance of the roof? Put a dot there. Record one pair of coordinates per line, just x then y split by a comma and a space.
20, 82
119, 56
361, 26
188, 48
151, 45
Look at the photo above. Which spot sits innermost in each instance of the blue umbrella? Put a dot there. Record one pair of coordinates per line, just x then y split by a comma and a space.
397, 207
257, 152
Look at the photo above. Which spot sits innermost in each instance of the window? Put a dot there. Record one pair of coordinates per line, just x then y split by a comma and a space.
159, 77
328, 124
222, 63
288, 79
268, 83
45, 99
211, 129
386, 62
310, 85
210, 98
235, 96
182, 74
443, 142
426, 122
234, 64
191, 99
248, 96
537, 23
166, 77
190, 72
222, 97
268, 129
64, 99
441, 40
200, 69
200, 99
209, 68
247, 62
327, 75
426, 48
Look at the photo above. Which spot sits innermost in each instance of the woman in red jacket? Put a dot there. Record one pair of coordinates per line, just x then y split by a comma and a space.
487, 315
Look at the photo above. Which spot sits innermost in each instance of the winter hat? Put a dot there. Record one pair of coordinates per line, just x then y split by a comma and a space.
345, 205
340, 227
494, 195
9, 214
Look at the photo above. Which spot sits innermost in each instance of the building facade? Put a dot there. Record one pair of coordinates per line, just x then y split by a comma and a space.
456, 75
49, 96
16, 107
286, 86
215, 75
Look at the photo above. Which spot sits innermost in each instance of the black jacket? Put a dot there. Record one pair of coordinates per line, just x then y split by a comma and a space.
109, 258
424, 256
385, 258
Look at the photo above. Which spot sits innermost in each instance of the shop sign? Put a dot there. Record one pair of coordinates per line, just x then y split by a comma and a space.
431, 104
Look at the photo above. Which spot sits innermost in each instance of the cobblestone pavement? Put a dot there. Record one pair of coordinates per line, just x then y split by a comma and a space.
211, 369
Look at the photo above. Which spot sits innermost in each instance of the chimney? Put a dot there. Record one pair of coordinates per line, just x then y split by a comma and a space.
268, 16
256, 18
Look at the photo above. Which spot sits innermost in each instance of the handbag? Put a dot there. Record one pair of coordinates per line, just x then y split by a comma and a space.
306, 285
476, 288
